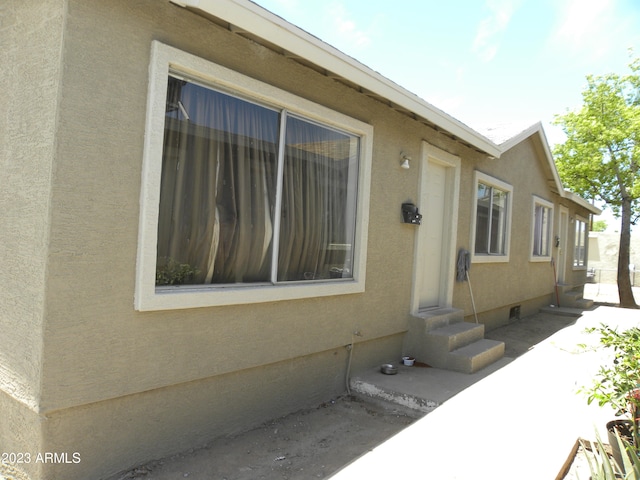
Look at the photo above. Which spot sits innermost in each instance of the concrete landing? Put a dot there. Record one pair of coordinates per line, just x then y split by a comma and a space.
419, 388
520, 420
424, 388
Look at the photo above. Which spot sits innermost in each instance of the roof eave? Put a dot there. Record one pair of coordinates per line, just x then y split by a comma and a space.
249, 17
582, 202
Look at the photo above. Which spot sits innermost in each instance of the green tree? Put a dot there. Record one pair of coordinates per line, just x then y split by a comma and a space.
599, 226
600, 159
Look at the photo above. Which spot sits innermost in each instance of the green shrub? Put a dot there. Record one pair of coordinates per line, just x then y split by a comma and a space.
172, 272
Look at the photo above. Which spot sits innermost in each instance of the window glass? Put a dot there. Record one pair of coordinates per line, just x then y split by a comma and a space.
317, 224
579, 255
542, 230
491, 220
225, 216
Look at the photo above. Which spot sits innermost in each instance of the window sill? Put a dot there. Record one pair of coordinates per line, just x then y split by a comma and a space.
540, 259
490, 259
175, 298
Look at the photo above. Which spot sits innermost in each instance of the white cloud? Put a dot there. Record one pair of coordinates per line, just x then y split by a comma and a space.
487, 40
594, 28
346, 28
582, 19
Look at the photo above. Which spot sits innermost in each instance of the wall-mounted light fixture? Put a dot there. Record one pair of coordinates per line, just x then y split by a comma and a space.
404, 161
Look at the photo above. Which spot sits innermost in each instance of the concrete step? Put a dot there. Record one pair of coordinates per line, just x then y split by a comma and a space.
566, 288
423, 322
575, 291
584, 303
439, 317
475, 356
436, 345
434, 334
574, 299
571, 296
451, 337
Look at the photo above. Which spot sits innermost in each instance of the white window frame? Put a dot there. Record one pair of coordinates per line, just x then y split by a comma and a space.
164, 59
585, 240
537, 201
480, 177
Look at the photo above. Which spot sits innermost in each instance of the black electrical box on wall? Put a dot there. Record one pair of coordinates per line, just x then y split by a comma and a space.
410, 214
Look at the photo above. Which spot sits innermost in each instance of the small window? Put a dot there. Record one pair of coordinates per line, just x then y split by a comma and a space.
250, 194
492, 222
580, 249
542, 230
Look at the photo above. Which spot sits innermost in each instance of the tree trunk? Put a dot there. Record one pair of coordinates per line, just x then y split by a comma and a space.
624, 281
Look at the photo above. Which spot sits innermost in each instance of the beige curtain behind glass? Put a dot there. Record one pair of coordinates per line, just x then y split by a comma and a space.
218, 185
315, 214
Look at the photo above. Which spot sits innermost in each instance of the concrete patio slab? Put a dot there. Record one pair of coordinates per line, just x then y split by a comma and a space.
521, 421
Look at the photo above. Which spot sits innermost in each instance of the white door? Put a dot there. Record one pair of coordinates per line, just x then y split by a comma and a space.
431, 235
434, 263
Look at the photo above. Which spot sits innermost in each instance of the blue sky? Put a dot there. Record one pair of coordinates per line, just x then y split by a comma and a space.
484, 62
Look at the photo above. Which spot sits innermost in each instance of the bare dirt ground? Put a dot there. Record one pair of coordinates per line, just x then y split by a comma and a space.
311, 443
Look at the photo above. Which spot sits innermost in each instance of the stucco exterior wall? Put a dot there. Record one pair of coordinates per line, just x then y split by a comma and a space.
119, 433
30, 48
105, 348
521, 282
109, 369
27, 144
119, 386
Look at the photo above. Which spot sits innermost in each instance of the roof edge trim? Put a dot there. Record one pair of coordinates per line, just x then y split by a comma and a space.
258, 21
582, 202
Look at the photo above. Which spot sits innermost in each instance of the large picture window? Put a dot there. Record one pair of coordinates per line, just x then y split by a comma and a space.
252, 195
492, 220
240, 203
541, 230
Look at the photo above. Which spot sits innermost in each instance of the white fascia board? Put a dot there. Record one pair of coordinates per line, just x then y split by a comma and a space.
257, 21
519, 137
577, 199
539, 130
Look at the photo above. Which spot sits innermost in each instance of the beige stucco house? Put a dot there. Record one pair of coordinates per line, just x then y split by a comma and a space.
202, 207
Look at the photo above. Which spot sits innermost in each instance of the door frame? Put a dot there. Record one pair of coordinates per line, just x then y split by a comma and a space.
431, 154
